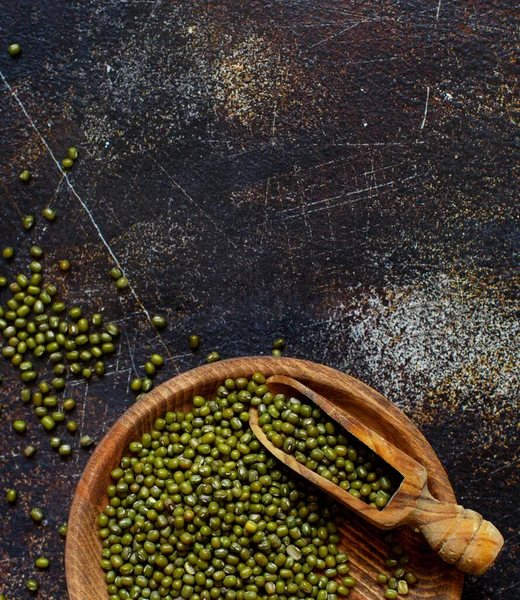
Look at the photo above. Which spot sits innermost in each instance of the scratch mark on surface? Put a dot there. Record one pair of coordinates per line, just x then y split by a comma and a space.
438, 9
83, 408
426, 107
188, 197
105, 420
506, 466
80, 200
131, 354
56, 191
326, 201
273, 124
369, 144
153, 10
335, 35
287, 232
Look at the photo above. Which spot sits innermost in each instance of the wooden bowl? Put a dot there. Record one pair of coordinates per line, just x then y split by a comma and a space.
363, 543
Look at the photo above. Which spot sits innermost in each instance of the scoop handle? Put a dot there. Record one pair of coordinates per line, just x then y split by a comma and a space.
460, 536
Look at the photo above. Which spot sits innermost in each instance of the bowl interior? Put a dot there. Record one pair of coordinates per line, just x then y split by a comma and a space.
363, 543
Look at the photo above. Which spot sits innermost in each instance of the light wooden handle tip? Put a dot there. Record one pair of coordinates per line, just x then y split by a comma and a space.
462, 537
482, 549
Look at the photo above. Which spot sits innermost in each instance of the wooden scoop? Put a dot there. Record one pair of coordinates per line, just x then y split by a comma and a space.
460, 536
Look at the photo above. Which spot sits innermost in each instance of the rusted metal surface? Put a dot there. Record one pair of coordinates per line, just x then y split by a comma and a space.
342, 173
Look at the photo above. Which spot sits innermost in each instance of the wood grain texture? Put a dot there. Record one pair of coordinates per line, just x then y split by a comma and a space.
460, 536
364, 543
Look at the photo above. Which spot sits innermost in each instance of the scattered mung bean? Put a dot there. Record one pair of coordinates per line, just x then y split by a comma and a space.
14, 50
11, 496
36, 515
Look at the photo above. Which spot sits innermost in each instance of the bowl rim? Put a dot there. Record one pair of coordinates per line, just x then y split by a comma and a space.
87, 499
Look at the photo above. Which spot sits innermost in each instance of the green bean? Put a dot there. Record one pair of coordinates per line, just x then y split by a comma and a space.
122, 283
75, 313
157, 360
136, 385
50, 401
14, 50
85, 356
54, 442
48, 423
64, 265
58, 416
112, 329
146, 385
32, 585
348, 582
36, 251
279, 344
37, 515
25, 176
28, 222
402, 587
212, 357
65, 450
42, 563
115, 273
194, 342
69, 404
158, 322
59, 369
81, 339
58, 383
11, 496
99, 368
63, 530
67, 163
72, 153
149, 368
49, 214
75, 367
29, 451
85, 441
8, 252
19, 426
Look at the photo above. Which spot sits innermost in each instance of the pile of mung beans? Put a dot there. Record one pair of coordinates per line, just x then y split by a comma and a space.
199, 510
38, 330
322, 445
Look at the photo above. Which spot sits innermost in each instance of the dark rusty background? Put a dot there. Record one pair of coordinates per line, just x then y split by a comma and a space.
343, 173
